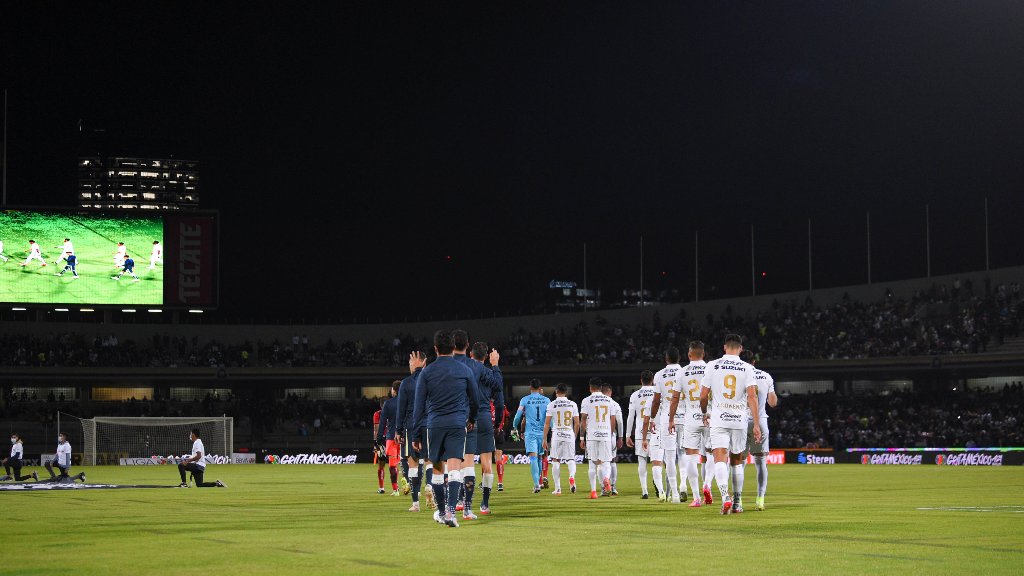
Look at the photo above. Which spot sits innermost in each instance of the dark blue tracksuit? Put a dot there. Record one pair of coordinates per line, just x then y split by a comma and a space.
490, 384
406, 401
446, 399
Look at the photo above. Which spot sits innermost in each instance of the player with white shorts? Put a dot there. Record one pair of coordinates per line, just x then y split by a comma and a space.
119, 255
663, 441
759, 448
616, 437
729, 383
597, 418
34, 254
563, 421
639, 412
157, 255
693, 434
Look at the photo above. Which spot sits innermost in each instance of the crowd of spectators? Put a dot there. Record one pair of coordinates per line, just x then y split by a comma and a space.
946, 319
974, 418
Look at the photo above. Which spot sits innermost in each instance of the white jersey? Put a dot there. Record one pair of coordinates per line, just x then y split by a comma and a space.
639, 408
692, 376
728, 379
561, 412
68, 247
666, 381
17, 450
198, 448
33, 249
157, 251
617, 412
598, 410
765, 384
121, 251
64, 454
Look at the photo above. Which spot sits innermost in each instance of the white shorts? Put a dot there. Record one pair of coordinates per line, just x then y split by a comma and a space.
694, 438
638, 447
732, 439
757, 447
599, 450
562, 449
662, 448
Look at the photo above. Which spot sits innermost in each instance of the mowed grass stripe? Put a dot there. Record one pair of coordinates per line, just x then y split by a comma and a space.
329, 520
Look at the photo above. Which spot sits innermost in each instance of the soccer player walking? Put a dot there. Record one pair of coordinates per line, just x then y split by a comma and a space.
14, 461
72, 261
639, 412
119, 255
62, 459
596, 422
445, 410
196, 464
533, 407
65, 249
606, 389
730, 383
490, 387
759, 448
414, 457
386, 435
662, 428
693, 435
156, 256
566, 418
129, 267
34, 254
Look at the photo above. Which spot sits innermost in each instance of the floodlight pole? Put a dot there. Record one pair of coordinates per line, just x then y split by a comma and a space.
4, 200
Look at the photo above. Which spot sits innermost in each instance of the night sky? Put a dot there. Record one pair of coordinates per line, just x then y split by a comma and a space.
352, 152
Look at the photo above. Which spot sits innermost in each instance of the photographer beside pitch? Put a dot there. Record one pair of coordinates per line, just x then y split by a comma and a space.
196, 464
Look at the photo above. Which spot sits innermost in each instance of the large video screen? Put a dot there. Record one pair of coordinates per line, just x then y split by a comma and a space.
35, 267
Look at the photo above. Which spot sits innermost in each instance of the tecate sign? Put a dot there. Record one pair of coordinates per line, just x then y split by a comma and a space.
891, 458
804, 458
311, 459
969, 459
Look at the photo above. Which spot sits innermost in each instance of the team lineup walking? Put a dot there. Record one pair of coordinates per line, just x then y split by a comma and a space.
689, 427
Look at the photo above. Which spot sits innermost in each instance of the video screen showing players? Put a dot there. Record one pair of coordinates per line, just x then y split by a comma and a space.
80, 258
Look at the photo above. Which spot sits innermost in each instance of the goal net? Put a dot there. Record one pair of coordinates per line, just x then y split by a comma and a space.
108, 439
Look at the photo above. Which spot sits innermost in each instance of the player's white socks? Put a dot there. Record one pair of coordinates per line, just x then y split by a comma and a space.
615, 472
641, 467
722, 477
691, 473
592, 475
673, 484
606, 471
556, 474
737, 482
761, 464
658, 482
572, 468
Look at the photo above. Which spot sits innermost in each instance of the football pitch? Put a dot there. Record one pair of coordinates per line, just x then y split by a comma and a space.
843, 519
95, 239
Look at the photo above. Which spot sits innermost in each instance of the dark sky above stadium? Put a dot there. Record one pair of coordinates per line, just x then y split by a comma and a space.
393, 160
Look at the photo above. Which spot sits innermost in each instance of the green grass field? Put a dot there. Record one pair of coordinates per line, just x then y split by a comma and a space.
95, 239
844, 519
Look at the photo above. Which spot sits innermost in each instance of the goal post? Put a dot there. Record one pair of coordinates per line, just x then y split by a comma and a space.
108, 439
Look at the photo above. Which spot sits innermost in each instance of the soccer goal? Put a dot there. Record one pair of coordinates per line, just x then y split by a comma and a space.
108, 439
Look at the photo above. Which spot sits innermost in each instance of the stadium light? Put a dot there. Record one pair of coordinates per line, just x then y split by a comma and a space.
19, 309
129, 310
60, 309
86, 310
195, 311
154, 311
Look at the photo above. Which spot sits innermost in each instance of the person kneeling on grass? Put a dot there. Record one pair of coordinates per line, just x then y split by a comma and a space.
62, 460
17, 453
196, 464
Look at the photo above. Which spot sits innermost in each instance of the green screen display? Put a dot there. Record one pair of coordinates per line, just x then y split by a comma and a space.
28, 273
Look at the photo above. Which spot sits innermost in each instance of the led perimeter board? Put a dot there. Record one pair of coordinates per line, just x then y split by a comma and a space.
174, 255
